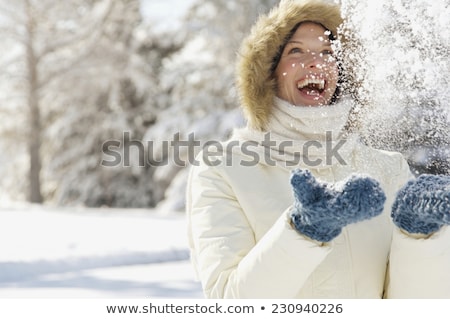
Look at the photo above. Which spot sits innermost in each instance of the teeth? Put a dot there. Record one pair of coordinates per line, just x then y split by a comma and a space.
320, 83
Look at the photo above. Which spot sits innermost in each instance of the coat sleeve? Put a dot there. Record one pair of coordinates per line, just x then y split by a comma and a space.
228, 260
418, 267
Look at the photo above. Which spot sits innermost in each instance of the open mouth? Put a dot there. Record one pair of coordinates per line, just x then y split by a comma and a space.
311, 86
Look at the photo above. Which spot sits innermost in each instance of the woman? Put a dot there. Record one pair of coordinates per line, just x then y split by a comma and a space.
298, 207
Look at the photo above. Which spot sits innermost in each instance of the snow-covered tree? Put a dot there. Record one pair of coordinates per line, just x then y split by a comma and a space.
44, 34
114, 98
80, 81
199, 81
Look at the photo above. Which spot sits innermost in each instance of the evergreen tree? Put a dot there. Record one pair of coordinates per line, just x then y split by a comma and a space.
85, 83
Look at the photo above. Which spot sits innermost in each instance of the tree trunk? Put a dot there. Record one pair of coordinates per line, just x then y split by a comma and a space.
34, 147
34, 136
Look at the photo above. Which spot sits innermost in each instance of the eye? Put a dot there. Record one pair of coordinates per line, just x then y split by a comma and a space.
326, 52
328, 55
295, 50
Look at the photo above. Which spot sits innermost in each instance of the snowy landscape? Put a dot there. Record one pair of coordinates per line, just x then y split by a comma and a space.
153, 69
94, 253
48, 251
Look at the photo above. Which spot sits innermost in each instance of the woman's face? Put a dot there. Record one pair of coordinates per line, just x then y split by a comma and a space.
307, 73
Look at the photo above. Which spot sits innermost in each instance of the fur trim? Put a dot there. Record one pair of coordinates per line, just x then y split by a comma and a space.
255, 82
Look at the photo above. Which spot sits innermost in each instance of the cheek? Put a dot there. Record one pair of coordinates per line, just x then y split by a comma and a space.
282, 75
284, 70
286, 73
333, 74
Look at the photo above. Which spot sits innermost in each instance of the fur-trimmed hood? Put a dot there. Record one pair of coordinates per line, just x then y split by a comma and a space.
255, 82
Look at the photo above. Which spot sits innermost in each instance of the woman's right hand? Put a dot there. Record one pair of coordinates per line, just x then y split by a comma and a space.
321, 210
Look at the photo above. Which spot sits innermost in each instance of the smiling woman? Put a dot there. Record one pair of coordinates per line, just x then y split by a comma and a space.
307, 72
323, 227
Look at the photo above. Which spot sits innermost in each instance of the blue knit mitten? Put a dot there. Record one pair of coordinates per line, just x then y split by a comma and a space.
320, 210
422, 206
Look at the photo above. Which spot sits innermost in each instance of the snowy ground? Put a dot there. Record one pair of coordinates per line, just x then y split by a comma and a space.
94, 253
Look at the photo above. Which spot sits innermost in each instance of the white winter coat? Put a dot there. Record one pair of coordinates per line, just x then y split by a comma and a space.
243, 245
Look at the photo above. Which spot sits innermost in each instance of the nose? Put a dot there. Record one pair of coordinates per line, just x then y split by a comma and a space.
314, 60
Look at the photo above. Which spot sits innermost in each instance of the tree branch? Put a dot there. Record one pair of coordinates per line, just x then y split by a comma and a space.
12, 15
69, 41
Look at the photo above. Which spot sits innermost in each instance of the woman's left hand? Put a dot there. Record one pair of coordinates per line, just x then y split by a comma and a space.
422, 206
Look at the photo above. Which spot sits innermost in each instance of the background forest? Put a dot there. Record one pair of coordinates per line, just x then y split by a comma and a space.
77, 74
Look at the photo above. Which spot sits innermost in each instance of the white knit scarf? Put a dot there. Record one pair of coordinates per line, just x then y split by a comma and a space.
302, 136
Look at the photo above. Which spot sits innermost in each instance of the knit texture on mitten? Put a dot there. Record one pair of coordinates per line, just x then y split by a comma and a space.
321, 210
422, 206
